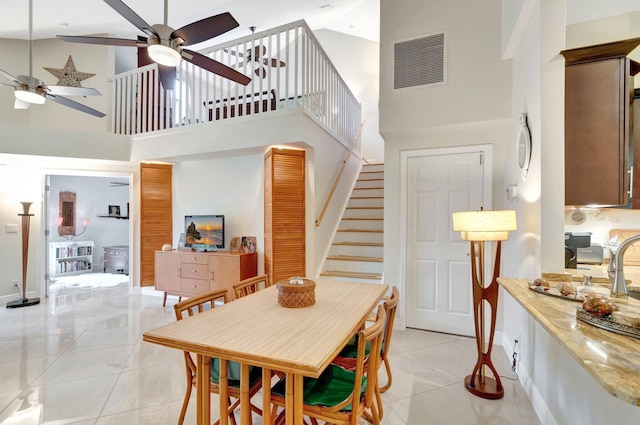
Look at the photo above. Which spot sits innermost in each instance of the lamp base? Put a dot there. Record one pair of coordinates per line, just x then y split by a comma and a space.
23, 303
483, 387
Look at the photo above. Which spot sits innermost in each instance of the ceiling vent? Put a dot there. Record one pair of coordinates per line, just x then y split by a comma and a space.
419, 62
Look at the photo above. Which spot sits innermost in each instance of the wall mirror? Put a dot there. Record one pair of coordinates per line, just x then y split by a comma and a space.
67, 214
524, 146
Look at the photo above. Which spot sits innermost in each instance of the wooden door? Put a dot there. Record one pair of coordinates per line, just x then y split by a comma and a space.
156, 226
438, 278
284, 214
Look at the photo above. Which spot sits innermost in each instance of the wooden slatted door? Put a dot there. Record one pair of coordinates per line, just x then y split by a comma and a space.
156, 225
284, 214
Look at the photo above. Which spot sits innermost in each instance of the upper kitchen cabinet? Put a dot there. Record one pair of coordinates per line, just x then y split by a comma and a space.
599, 123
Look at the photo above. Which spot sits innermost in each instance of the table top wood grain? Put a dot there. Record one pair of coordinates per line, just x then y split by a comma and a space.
256, 330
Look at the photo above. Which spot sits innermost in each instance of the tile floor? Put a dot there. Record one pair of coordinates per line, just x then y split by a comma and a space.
79, 359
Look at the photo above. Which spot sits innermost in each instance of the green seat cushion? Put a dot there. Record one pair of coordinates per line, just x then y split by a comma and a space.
333, 386
351, 349
233, 373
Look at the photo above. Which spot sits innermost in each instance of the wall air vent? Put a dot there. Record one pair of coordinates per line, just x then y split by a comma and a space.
419, 62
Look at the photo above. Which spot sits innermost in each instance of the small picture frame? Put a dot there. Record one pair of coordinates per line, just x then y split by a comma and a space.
114, 210
249, 244
235, 244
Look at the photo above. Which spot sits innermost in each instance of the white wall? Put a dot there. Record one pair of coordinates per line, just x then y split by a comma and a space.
472, 108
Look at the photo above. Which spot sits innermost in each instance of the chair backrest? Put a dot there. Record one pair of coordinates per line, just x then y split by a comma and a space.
200, 303
251, 285
194, 305
366, 363
372, 335
391, 304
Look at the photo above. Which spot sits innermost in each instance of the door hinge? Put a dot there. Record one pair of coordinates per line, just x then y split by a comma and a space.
481, 158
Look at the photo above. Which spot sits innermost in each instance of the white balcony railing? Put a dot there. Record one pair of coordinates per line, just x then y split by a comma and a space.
290, 70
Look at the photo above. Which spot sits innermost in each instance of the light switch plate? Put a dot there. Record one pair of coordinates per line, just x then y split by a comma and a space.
11, 228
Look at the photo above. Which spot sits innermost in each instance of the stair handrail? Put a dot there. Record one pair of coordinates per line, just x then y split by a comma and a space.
339, 176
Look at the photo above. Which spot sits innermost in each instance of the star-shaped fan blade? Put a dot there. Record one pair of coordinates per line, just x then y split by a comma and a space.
72, 91
74, 105
215, 67
107, 41
132, 17
205, 29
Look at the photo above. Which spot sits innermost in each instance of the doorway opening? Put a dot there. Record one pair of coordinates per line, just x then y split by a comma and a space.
89, 235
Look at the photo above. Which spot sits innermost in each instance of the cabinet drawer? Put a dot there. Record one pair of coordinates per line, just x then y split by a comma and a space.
194, 286
194, 271
194, 258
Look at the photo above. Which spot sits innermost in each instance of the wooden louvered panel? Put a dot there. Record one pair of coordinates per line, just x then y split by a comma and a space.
284, 226
156, 226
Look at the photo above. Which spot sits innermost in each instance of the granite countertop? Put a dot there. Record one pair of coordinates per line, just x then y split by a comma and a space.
600, 271
618, 370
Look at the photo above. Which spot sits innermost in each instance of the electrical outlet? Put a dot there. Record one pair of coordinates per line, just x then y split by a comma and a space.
15, 282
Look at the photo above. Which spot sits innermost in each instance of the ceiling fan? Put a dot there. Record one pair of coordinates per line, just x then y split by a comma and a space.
32, 91
165, 45
257, 55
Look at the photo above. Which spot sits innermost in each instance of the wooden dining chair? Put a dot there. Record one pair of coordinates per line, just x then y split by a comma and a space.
199, 304
340, 396
348, 355
251, 285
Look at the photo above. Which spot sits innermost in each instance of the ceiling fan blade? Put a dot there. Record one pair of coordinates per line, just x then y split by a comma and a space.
74, 105
107, 41
17, 83
273, 62
205, 29
167, 76
261, 72
234, 53
72, 91
215, 67
260, 51
132, 17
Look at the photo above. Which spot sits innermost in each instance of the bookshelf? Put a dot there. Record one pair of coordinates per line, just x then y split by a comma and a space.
68, 258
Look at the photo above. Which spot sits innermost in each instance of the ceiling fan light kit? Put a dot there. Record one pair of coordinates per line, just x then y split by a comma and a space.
164, 54
29, 95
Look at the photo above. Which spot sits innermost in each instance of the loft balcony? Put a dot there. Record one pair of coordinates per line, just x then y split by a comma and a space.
289, 71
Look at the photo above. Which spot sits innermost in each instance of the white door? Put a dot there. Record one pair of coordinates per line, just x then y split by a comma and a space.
438, 275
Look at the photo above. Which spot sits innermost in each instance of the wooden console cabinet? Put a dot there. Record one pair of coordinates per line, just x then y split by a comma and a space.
187, 274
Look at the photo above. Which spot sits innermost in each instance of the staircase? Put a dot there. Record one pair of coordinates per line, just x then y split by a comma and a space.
357, 250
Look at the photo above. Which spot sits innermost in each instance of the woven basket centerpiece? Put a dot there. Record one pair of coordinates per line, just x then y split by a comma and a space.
296, 292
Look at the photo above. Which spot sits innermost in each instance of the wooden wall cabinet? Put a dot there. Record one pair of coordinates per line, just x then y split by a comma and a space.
156, 225
598, 123
284, 214
193, 273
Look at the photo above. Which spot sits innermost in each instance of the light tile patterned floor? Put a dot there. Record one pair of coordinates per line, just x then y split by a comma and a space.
79, 359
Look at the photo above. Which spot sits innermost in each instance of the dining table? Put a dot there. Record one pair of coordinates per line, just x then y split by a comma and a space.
256, 330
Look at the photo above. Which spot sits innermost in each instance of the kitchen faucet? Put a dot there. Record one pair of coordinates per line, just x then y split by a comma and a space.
619, 287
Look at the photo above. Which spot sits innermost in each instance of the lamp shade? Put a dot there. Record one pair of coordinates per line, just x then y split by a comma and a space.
485, 225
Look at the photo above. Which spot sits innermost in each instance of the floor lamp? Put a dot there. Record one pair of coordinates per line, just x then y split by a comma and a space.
26, 221
479, 227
